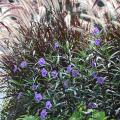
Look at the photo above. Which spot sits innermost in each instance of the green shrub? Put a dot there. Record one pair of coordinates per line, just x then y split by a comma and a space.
28, 117
51, 75
82, 114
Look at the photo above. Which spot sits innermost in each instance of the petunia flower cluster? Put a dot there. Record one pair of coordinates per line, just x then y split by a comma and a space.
44, 112
70, 69
100, 80
22, 65
95, 32
38, 97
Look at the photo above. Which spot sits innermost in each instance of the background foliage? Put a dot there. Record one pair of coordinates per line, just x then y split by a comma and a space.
47, 62
77, 71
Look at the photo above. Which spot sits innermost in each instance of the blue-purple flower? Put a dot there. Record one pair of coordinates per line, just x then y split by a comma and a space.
65, 84
69, 68
23, 64
95, 31
38, 97
92, 105
56, 45
6, 78
48, 105
54, 74
94, 64
75, 73
94, 74
100, 80
43, 114
97, 42
34, 86
20, 94
15, 68
41, 61
44, 72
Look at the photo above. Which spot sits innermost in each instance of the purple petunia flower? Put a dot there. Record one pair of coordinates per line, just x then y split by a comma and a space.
43, 114
15, 68
97, 42
38, 97
44, 72
34, 86
56, 45
65, 84
20, 94
41, 61
54, 74
6, 78
75, 73
100, 80
69, 68
48, 105
94, 64
23, 64
95, 31
94, 74
92, 105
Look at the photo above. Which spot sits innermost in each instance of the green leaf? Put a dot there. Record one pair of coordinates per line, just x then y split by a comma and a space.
15, 82
28, 117
98, 116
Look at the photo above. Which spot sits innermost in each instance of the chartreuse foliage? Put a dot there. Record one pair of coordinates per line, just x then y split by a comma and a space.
82, 114
28, 117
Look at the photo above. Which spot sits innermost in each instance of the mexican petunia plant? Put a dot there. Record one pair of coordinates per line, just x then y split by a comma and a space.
50, 76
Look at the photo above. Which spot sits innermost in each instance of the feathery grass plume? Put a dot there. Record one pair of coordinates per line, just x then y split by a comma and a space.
87, 11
